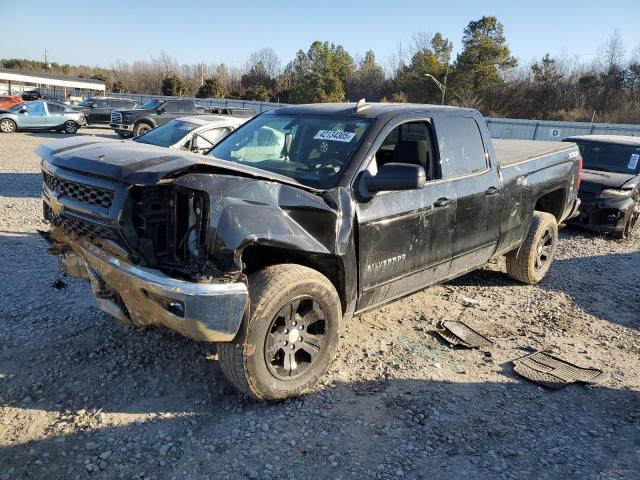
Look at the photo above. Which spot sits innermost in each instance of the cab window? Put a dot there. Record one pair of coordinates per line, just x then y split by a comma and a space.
461, 147
408, 143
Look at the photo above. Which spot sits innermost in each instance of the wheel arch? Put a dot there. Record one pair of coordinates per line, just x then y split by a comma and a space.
553, 202
259, 255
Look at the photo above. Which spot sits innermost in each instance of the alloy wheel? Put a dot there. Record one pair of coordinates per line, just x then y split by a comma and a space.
7, 126
544, 250
295, 338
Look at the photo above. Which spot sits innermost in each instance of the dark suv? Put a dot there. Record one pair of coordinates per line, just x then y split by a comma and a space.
98, 109
152, 114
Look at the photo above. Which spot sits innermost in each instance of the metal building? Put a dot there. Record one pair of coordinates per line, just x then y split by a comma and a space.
14, 82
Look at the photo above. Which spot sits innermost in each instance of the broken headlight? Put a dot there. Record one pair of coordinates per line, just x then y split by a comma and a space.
171, 226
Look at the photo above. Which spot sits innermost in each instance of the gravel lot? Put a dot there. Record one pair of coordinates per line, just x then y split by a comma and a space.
82, 398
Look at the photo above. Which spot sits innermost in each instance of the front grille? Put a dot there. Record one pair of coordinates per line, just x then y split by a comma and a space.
74, 226
79, 192
116, 117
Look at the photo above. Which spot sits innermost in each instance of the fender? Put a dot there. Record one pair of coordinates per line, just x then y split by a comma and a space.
247, 211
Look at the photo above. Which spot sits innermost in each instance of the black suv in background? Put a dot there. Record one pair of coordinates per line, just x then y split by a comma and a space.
98, 109
155, 112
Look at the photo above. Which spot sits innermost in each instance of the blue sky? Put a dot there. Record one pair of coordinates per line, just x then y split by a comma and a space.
99, 33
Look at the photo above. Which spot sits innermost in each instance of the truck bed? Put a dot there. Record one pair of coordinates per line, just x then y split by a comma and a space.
509, 152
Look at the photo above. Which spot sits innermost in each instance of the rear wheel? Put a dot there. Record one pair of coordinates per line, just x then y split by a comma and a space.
71, 127
290, 338
531, 261
141, 128
7, 125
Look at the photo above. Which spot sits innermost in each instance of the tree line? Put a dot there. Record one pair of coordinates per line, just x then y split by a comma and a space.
483, 75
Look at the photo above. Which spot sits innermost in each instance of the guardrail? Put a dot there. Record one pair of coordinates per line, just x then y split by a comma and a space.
512, 128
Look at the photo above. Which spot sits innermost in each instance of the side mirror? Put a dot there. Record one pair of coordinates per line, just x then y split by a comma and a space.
396, 176
23, 110
93, 105
161, 110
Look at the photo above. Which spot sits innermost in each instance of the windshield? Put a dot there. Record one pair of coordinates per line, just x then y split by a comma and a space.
608, 157
167, 134
151, 104
17, 106
311, 150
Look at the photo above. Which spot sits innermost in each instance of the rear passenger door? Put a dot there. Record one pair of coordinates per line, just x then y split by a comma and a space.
405, 237
466, 164
55, 115
101, 112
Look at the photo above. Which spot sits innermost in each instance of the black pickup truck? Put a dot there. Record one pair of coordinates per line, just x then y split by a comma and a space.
300, 219
153, 113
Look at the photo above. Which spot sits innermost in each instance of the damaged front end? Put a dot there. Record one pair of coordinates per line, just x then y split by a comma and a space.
144, 250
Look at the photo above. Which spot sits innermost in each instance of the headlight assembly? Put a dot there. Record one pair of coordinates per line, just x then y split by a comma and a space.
614, 192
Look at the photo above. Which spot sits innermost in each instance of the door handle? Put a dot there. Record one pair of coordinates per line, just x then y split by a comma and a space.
491, 191
442, 202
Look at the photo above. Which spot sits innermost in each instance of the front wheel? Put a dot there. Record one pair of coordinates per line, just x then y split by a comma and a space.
141, 128
7, 126
531, 261
290, 338
70, 127
632, 222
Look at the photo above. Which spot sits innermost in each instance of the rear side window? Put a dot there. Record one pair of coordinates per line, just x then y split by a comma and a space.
55, 108
172, 107
461, 147
187, 107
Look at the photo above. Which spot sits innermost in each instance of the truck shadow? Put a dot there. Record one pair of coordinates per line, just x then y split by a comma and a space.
451, 430
600, 285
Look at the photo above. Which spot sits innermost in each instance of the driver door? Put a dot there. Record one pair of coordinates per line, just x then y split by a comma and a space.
405, 237
33, 117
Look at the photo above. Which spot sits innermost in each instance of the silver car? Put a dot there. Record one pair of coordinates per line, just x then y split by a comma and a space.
41, 115
196, 134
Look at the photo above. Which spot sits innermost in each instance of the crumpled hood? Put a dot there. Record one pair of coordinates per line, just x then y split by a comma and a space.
138, 163
594, 181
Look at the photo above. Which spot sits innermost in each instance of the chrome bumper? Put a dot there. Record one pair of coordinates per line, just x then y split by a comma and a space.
202, 311
121, 126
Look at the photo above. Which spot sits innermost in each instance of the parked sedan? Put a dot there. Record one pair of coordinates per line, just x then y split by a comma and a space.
196, 134
8, 101
41, 115
610, 188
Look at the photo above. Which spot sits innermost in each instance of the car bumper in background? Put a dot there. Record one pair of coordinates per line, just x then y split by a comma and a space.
604, 214
121, 126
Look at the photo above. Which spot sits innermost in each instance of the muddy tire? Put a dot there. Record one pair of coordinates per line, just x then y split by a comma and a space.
7, 125
531, 261
141, 128
291, 336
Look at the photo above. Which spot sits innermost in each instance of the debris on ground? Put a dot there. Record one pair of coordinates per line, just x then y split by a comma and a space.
554, 372
457, 332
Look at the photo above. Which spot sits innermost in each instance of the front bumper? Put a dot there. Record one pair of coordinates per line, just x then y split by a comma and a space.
604, 214
122, 126
203, 311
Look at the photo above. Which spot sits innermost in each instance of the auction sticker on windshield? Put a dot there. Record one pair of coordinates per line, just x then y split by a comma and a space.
334, 135
633, 161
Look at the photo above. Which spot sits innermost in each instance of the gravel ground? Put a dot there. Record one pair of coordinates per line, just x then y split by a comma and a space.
82, 398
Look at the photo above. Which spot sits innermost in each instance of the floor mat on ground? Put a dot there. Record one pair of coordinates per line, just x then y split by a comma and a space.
553, 372
458, 333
